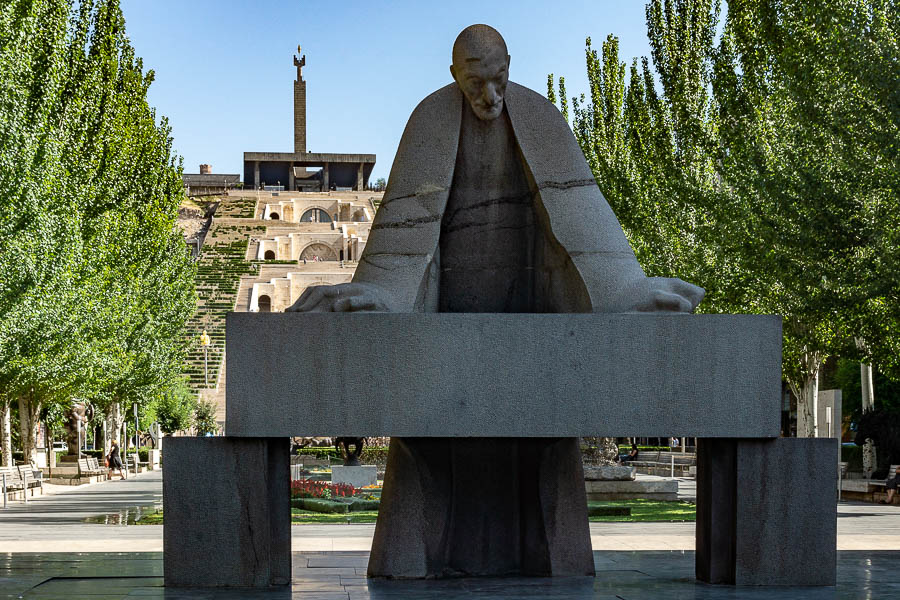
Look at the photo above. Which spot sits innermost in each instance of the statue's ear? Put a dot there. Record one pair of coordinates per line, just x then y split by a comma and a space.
452, 72
507, 63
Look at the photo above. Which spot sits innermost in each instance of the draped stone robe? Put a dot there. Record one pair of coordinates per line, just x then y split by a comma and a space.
498, 506
402, 254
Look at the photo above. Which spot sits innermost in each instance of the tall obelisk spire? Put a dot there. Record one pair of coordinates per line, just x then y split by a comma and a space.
299, 105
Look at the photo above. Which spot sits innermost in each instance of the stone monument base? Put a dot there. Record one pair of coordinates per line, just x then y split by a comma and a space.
662, 490
358, 476
472, 507
227, 512
766, 511
609, 473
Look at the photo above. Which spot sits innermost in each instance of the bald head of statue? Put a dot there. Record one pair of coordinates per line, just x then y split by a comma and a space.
481, 68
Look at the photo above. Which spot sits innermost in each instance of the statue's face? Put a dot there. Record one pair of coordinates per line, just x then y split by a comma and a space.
482, 76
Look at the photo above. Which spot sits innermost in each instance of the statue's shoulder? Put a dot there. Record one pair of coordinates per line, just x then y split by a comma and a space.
445, 99
523, 100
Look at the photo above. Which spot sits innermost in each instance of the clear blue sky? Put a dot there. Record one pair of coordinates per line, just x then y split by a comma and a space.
224, 69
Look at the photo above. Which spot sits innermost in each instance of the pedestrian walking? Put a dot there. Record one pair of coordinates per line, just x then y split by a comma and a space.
114, 461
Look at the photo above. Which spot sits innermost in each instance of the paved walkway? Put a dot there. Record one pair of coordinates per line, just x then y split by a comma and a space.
57, 523
47, 550
341, 576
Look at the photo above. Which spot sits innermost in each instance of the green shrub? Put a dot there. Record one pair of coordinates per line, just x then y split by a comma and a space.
320, 505
323, 452
359, 505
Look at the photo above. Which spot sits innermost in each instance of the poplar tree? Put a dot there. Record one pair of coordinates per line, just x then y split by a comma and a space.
762, 166
95, 282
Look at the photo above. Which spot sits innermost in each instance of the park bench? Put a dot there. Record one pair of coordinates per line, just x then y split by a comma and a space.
660, 462
879, 492
867, 490
13, 479
31, 477
136, 462
88, 467
882, 483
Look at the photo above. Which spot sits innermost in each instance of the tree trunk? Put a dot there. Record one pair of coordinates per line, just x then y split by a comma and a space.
6, 432
29, 424
868, 403
807, 392
114, 422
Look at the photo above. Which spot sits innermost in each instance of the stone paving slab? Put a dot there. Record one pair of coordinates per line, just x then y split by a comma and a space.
620, 575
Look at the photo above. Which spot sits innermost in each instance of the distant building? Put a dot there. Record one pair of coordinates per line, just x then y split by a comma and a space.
207, 183
288, 170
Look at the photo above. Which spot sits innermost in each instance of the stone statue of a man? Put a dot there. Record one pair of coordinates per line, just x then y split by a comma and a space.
77, 418
491, 207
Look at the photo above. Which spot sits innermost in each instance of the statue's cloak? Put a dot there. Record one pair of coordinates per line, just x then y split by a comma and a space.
402, 252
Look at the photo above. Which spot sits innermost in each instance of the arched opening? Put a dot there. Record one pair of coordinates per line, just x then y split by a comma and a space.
273, 216
359, 216
270, 255
265, 304
317, 251
315, 215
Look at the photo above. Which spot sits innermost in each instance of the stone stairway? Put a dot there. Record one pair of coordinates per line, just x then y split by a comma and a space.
222, 262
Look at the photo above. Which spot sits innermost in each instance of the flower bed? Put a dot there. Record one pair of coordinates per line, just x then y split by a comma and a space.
307, 488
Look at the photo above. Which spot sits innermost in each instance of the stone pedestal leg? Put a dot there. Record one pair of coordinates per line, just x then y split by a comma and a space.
766, 511
227, 512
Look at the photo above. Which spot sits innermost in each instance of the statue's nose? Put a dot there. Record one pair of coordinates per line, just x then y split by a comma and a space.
491, 94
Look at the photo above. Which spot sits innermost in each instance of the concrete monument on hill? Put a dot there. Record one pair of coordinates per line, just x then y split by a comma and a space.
485, 213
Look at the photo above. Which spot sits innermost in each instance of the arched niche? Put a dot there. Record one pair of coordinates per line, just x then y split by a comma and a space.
265, 303
318, 251
315, 215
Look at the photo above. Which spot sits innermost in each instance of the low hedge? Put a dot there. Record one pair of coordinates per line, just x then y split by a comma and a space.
359, 505
321, 505
370, 454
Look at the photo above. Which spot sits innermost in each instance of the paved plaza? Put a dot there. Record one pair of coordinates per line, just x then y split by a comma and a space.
78, 543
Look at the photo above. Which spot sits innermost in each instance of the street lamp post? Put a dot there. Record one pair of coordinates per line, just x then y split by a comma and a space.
204, 341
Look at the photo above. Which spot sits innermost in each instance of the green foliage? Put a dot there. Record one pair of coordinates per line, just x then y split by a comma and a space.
645, 511
95, 283
321, 505
306, 516
173, 409
205, 418
319, 452
360, 505
847, 379
763, 165
809, 117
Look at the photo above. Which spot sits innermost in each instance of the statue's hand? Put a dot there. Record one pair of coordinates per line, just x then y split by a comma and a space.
661, 294
344, 297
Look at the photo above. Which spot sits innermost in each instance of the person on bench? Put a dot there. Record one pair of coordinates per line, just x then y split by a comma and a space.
891, 486
630, 456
